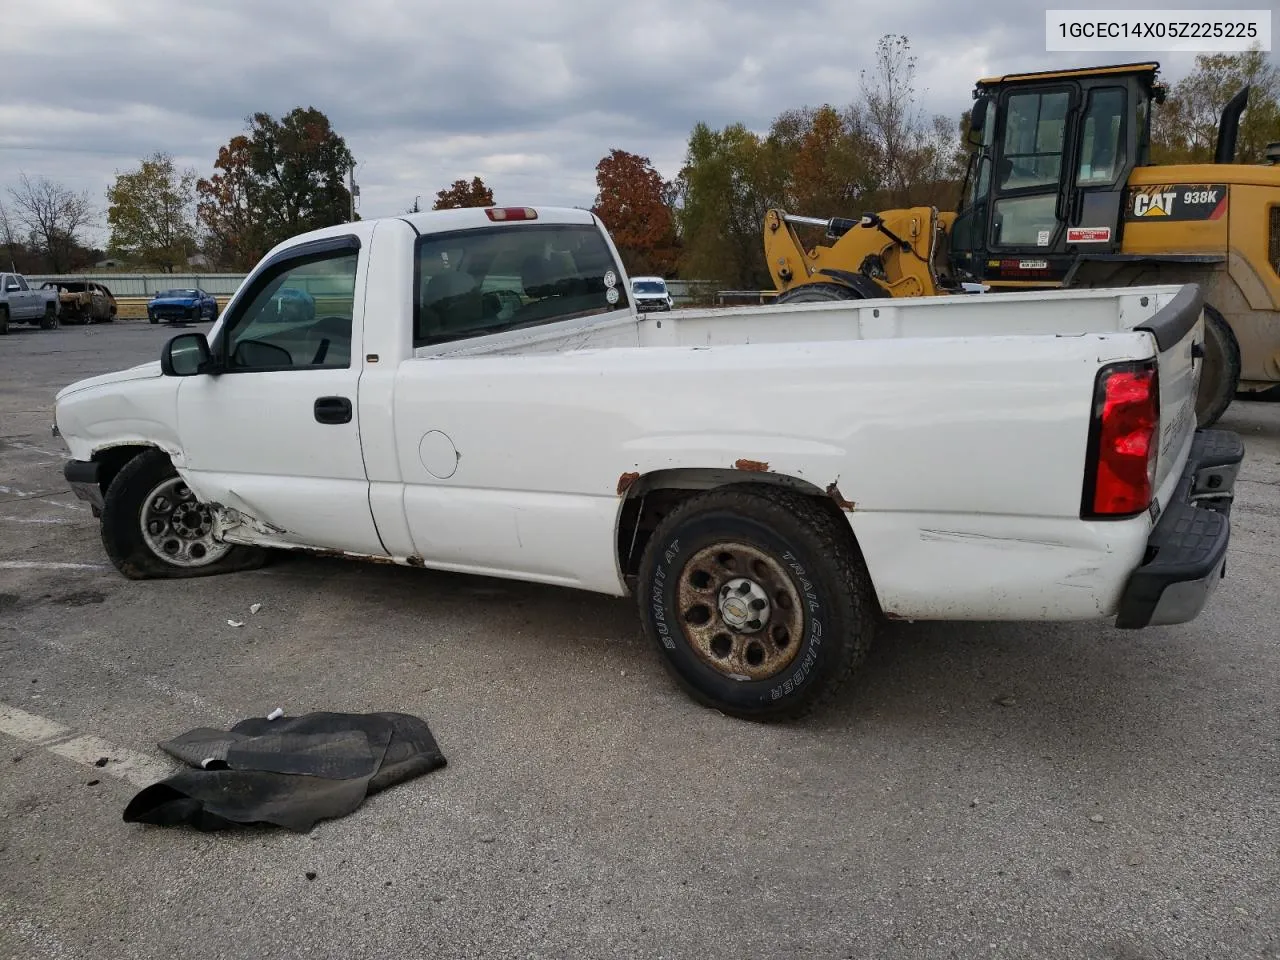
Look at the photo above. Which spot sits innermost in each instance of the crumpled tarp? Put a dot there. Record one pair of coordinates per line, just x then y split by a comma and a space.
291, 772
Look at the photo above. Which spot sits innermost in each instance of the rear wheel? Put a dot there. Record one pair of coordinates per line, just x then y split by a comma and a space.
50, 319
757, 600
153, 527
1220, 376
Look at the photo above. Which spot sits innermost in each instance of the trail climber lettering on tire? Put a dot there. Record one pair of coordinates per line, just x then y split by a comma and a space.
759, 579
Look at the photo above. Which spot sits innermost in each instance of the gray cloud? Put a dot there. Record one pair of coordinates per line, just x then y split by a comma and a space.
527, 95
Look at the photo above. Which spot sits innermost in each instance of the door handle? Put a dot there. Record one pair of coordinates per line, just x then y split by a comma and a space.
333, 410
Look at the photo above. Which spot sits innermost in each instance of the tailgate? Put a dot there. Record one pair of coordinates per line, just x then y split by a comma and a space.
1178, 329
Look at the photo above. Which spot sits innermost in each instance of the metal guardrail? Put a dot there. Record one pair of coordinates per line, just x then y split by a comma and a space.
725, 298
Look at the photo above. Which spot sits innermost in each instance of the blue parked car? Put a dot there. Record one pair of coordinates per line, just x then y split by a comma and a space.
182, 304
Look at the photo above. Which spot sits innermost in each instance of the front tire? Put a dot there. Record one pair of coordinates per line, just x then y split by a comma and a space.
757, 600
153, 527
4, 321
817, 293
1220, 377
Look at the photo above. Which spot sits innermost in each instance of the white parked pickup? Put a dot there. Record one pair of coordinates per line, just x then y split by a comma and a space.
475, 390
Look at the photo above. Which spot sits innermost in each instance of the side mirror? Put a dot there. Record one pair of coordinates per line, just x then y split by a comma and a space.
978, 121
186, 355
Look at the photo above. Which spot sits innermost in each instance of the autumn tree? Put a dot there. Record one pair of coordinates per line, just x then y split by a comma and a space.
1185, 126
53, 216
151, 212
283, 177
228, 208
828, 158
460, 193
634, 202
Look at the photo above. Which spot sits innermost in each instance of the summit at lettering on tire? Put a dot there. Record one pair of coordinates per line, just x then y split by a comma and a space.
481, 391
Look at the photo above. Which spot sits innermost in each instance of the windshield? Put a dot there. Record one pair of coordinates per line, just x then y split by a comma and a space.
648, 286
177, 293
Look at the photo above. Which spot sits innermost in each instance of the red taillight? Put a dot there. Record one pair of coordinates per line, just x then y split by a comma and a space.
511, 213
1124, 440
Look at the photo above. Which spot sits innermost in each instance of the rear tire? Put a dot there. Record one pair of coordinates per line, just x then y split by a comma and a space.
1220, 376
757, 600
50, 319
175, 543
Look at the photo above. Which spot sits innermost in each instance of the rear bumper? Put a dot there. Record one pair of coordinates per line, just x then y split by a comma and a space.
1187, 549
83, 479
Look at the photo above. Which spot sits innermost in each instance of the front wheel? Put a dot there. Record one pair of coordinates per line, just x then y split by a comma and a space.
4, 321
153, 527
757, 600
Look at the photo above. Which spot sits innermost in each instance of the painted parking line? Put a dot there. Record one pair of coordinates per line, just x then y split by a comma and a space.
54, 520
19, 445
40, 496
87, 750
48, 565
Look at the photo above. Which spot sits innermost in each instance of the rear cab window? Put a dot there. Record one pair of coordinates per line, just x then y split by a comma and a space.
481, 281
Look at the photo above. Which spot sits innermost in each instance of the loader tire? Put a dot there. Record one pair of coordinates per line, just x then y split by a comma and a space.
818, 293
1220, 376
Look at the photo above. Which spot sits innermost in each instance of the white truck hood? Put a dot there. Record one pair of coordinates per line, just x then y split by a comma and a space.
142, 371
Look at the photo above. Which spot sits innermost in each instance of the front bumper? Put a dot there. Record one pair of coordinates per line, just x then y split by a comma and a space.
651, 306
83, 478
1186, 553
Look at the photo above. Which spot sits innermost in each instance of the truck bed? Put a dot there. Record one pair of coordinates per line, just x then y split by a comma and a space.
1067, 313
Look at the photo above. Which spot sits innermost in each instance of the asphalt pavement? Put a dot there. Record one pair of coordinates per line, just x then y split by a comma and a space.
981, 790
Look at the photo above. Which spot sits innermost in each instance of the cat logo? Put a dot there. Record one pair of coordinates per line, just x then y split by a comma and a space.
1153, 204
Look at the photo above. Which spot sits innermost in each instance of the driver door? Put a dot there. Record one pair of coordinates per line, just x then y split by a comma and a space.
275, 435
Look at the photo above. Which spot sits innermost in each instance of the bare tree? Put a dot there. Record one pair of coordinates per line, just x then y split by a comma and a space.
54, 214
8, 238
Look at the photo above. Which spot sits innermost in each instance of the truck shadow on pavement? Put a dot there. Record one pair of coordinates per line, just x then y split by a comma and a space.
1039, 688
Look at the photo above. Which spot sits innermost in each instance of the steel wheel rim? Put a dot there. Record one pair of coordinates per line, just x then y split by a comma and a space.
740, 611
179, 529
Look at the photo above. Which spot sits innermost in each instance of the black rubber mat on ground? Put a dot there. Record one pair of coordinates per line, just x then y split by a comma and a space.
291, 772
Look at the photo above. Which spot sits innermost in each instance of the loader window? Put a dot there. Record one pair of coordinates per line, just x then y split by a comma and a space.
1033, 138
1102, 149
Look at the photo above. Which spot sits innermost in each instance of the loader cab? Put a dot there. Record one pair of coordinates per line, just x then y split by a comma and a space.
1051, 154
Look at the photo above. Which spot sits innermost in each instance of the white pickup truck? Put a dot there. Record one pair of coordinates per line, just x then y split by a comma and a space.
476, 391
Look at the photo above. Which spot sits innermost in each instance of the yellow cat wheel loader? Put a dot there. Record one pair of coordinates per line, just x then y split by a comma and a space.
1060, 192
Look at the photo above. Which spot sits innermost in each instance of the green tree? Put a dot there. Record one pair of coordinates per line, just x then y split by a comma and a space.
460, 193
151, 212
1185, 126
729, 180
284, 177
633, 201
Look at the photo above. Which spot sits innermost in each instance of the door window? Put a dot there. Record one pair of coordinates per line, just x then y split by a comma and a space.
299, 317
22, 284
1026, 221
1035, 127
1102, 152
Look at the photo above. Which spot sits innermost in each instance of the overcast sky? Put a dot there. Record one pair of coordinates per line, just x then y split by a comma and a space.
528, 94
